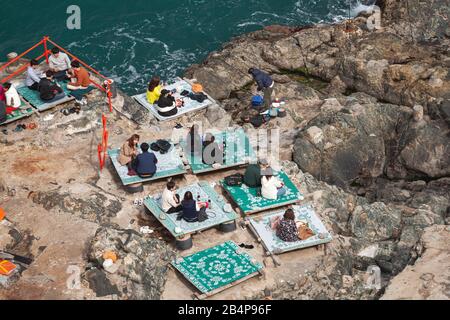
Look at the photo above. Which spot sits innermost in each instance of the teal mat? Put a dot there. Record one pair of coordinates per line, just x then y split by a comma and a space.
33, 98
189, 104
239, 152
247, 200
215, 269
216, 214
261, 226
17, 115
169, 165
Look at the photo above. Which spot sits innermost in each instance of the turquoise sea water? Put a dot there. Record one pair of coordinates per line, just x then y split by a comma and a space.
131, 41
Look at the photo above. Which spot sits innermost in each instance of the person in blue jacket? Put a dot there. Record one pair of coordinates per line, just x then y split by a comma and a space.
145, 163
265, 84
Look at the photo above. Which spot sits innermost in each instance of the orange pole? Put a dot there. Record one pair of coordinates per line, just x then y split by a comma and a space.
45, 48
20, 56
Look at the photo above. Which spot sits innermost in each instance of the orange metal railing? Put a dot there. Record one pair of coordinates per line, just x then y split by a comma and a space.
105, 87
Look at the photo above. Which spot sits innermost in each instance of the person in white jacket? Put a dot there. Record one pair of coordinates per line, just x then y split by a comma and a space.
170, 200
272, 187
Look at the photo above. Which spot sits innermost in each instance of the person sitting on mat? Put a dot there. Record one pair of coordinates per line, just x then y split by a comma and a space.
287, 229
59, 63
167, 106
12, 97
145, 163
154, 90
272, 188
170, 200
211, 151
79, 76
191, 209
252, 176
33, 76
49, 91
129, 151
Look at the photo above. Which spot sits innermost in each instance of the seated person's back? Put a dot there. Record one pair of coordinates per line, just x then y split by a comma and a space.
145, 163
47, 88
191, 210
287, 228
166, 105
252, 176
211, 151
270, 185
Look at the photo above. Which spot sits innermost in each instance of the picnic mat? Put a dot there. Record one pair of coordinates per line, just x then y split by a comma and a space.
216, 213
33, 98
17, 115
189, 104
218, 267
239, 151
247, 200
169, 165
261, 226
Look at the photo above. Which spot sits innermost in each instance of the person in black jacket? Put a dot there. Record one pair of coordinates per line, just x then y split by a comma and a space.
145, 163
49, 91
265, 83
167, 106
191, 209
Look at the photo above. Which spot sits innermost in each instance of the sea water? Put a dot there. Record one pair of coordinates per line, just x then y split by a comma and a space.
133, 40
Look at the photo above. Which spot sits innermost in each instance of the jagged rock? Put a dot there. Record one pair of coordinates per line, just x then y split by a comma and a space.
142, 274
429, 277
218, 117
376, 222
83, 201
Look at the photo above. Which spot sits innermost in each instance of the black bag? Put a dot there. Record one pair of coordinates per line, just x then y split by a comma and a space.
164, 146
257, 121
155, 147
185, 93
235, 180
202, 216
3, 116
199, 97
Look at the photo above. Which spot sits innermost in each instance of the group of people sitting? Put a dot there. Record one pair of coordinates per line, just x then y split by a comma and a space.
261, 176
140, 164
188, 209
163, 99
60, 69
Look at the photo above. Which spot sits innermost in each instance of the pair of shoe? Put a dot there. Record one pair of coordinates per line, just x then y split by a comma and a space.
20, 128
247, 246
82, 102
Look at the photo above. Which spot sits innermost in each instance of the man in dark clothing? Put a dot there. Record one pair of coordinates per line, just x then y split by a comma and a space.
167, 105
265, 83
2, 111
252, 177
49, 91
145, 163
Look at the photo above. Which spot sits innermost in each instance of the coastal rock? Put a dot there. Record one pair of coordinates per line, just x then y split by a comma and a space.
142, 274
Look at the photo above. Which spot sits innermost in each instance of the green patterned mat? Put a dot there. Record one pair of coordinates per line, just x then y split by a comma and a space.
247, 200
169, 165
216, 214
33, 98
218, 267
239, 152
261, 226
17, 115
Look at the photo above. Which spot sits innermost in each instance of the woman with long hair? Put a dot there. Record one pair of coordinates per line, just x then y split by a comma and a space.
129, 150
154, 90
191, 208
287, 228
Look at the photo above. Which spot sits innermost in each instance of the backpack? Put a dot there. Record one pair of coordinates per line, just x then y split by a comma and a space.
257, 101
155, 147
164, 146
257, 121
235, 180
